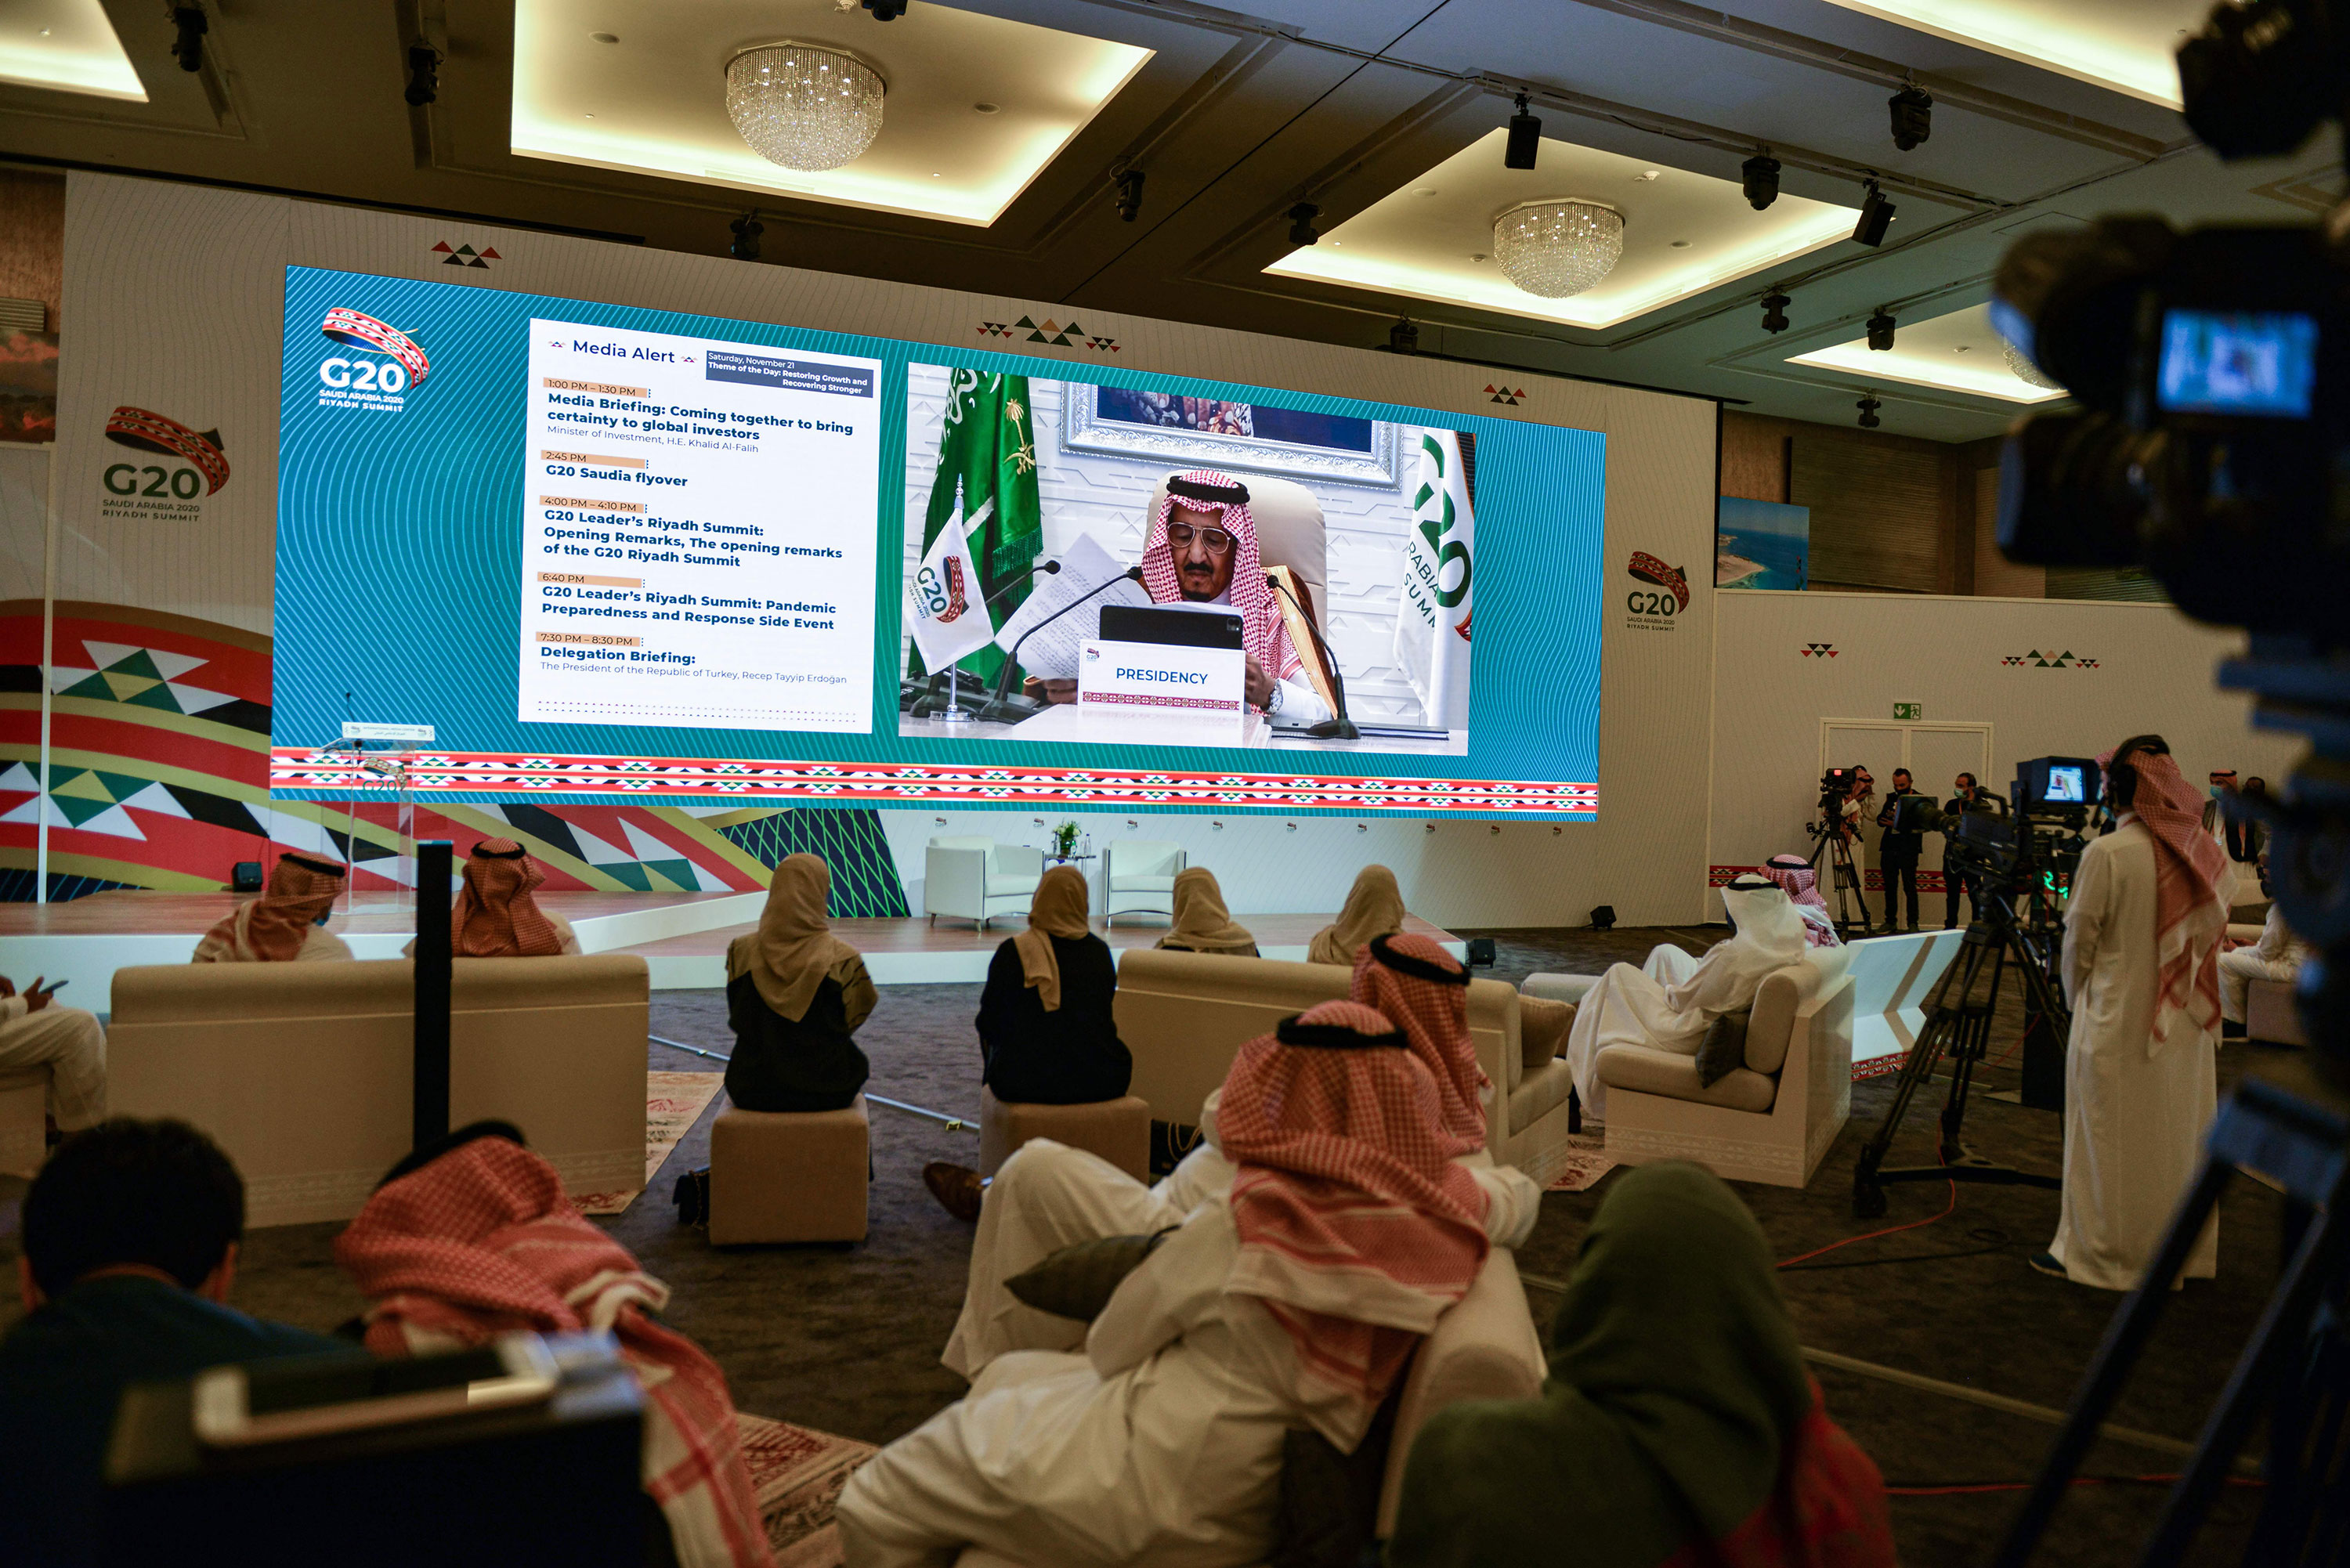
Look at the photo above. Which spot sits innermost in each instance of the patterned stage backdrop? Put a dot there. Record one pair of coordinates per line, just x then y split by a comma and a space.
159, 778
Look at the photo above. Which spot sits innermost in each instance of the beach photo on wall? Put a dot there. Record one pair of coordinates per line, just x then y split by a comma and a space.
1761, 544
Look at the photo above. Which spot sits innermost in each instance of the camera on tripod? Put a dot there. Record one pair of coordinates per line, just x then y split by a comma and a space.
1835, 787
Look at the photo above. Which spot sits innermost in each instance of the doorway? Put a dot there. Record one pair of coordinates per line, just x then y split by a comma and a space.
1935, 753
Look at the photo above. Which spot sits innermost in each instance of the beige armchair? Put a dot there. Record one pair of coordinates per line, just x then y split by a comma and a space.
1183, 1015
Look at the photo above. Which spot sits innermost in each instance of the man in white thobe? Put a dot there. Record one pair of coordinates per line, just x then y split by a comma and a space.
37, 1032
2141, 1065
1669, 1002
2278, 955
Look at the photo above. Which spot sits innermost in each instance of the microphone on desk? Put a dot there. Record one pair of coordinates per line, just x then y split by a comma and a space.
1340, 728
1004, 708
923, 698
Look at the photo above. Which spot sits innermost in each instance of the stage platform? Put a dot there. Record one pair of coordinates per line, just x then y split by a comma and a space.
682, 937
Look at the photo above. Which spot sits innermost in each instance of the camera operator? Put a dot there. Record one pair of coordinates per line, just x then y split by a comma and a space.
1896, 854
2142, 931
1966, 795
1851, 813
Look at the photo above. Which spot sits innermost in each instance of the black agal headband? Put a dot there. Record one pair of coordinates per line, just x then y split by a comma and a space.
1294, 1031
1211, 495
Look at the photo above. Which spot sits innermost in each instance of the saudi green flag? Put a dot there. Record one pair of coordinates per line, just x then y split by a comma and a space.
987, 471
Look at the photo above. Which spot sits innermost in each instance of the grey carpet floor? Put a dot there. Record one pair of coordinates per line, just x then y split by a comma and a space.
848, 1341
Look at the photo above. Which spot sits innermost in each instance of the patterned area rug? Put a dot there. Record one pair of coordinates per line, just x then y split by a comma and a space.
796, 1474
673, 1102
1586, 1166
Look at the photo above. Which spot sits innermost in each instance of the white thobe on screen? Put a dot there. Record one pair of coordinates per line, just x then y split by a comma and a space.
2135, 1114
1160, 1442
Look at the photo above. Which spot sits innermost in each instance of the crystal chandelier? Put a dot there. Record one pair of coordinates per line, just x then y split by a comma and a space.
1558, 248
803, 106
2025, 370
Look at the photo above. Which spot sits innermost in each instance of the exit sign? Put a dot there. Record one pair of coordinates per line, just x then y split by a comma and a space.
1908, 710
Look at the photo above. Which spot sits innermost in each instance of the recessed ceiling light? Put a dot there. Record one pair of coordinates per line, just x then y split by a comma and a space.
987, 109
1962, 348
587, 116
1681, 244
1476, 255
606, 37
1425, 191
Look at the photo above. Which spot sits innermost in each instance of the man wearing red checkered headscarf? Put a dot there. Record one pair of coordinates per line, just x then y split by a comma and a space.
286, 923
1425, 992
1292, 1303
1202, 549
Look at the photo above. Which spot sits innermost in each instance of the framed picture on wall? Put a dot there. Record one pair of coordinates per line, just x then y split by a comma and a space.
1208, 433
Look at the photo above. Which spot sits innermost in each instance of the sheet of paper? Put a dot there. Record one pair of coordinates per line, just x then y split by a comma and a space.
1052, 653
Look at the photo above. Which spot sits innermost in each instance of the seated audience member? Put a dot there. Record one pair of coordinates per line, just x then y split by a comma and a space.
1374, 908
37, 1032
475, 1239
495, 916
1049, 1196
1668, 1002
794, 996
1795, 877
1201, 924
130, 1237
287, 924
1046, 1033
1678, 1424
1293, 1303
2278, 955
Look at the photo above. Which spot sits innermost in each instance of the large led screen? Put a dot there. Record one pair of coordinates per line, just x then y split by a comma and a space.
604, 549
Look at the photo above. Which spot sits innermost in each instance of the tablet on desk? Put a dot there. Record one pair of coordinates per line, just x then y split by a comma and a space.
1210, 626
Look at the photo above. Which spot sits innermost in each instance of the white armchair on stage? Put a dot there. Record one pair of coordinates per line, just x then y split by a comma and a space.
978, 879
1138, 877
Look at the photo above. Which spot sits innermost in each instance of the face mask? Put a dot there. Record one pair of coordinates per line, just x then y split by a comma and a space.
2218, 790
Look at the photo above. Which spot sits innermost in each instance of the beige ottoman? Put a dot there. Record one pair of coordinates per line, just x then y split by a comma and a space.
2269, 1014
1118, 1130
789, 1176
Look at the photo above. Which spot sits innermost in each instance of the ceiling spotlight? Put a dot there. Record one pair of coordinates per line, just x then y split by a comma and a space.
190, 25
747, 230
1301, 231
1868, 407
1525, 138
424, 75
1913, 118
1129, 196
1880, 330
1775, 312
886, 10
804, 106
1403, 338
1760, 174
1875, 217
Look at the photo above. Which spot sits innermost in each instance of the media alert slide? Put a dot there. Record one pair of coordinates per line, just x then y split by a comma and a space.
698, 532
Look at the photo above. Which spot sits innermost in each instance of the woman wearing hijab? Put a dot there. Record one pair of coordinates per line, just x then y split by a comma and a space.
1201, 923
1374, 908
287, 924
1670, 1001
1795, 875
794, 996
1678, 1424
480, 1242
2142, 931
494, 915
1292, 1302
1046, 1034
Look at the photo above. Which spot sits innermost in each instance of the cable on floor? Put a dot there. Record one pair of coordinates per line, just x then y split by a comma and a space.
1872, 1235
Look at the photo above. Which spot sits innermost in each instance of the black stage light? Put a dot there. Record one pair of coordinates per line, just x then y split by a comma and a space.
1760, 174
1913, 118
1880, 330
1129, 196
1875, 217
1480, 952
747, 230
1868, 407
188, 42
886, 10
1603, 919
1301, 231
1775, 312
1525, 138
1403, 338
424, 75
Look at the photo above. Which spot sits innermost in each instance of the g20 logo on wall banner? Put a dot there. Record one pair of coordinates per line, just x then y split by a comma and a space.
183, 467
377, 377
1656, 606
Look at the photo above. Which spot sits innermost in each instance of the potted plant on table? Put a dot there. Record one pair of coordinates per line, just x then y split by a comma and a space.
1064, 841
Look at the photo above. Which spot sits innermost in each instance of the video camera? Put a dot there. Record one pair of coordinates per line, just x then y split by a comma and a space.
2053, 799
1836, 788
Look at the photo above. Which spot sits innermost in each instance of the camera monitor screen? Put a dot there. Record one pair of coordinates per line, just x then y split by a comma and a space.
2067, 786
2217, 362
610, 548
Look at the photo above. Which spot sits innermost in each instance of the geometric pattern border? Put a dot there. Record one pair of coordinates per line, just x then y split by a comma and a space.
302, 768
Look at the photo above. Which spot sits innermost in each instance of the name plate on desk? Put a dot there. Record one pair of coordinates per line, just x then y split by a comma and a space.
355, 731
1161, 680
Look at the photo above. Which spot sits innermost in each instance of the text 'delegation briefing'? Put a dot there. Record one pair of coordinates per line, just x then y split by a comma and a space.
698, 539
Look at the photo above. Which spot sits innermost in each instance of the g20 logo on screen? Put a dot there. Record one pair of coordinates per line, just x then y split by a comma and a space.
385, 365
179, 467
1666, 593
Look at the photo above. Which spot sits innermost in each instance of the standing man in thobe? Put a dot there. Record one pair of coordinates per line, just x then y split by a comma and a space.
2142, 931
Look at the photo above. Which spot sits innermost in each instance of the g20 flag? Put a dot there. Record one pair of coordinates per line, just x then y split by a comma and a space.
1431, 641
944, 608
